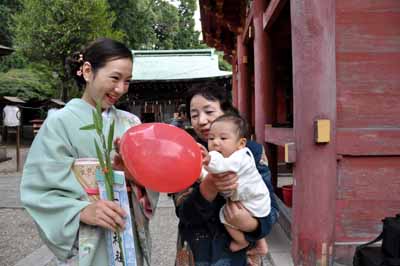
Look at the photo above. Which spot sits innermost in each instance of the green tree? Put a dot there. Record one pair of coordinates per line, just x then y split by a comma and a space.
7, 9
166, 25
222, 63
135, 19
14, 60
48, 31
31, 83
187, 37
5, 18
156, 24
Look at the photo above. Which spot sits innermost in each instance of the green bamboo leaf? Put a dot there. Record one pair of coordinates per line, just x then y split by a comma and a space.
98, 107
100, 118
96, 123
109, 166
94, 116
88, 127
110, 174
99, 155
109, 187
111, 136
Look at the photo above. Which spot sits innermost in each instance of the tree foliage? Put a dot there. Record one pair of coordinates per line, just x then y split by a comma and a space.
7, 9
156, 24
165, 25
45, 32
187, 37
222, 63
14, 60
5, 18
135, 19
48, 31
30, 83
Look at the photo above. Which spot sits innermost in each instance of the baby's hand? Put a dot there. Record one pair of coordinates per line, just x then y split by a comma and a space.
204, 154
206, 160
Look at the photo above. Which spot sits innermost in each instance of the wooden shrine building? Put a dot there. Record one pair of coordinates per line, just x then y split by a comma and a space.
319, 80
161, 78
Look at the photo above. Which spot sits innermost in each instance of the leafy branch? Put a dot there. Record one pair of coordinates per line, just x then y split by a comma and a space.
104, 157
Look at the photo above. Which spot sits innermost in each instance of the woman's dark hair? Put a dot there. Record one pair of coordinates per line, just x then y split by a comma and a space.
212, 93
97, 53
238, 121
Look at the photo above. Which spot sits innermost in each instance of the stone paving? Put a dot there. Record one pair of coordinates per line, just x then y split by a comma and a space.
18, 234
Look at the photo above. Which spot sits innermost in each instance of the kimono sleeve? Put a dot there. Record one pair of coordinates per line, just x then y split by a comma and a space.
49, 190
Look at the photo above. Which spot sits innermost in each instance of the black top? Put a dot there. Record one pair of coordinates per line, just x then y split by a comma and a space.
200, 226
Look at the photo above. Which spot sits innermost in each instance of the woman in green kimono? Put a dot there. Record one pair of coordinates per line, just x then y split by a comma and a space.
69, 224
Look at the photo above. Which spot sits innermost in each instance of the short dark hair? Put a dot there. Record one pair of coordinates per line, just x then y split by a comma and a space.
237, 120
97, 53
213, 93
181, 110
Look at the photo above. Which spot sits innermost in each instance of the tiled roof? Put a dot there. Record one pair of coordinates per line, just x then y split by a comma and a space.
4, 50
176, 65
13, 99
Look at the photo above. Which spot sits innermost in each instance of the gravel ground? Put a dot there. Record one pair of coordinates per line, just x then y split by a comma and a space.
18, 236
9, 168
163, 228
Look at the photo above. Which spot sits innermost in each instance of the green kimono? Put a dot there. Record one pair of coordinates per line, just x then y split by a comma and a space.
53, 197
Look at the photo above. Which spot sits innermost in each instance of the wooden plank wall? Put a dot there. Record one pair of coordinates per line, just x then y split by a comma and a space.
368, 119
368, 63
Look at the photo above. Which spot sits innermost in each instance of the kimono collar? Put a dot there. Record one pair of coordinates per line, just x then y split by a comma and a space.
78, 104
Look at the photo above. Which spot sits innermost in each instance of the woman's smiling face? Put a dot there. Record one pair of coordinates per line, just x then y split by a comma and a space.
202, 113
108, 83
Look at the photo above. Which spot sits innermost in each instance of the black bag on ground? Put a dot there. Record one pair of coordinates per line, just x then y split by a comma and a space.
391, 237
386, 255
369, 256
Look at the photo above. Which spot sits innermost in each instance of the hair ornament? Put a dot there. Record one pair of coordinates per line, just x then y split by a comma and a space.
80, 60
79, 72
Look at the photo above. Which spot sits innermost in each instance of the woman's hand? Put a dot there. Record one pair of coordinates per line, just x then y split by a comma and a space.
104, 213
237, 215
118, 163
214, 183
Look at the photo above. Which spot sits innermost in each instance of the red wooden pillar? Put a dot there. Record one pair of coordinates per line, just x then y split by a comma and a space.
262, 73
234, 80
244, 100
314, 91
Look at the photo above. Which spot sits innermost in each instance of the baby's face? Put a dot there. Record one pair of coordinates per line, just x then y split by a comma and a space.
223, 137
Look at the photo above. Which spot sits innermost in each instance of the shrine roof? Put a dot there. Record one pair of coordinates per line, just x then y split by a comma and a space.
153, 65
4, 50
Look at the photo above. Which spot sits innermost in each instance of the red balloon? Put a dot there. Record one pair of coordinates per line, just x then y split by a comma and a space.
161, 157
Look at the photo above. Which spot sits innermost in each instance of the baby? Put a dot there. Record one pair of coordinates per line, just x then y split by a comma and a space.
228, 152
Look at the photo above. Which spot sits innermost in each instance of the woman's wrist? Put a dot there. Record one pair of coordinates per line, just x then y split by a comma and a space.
208, 190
